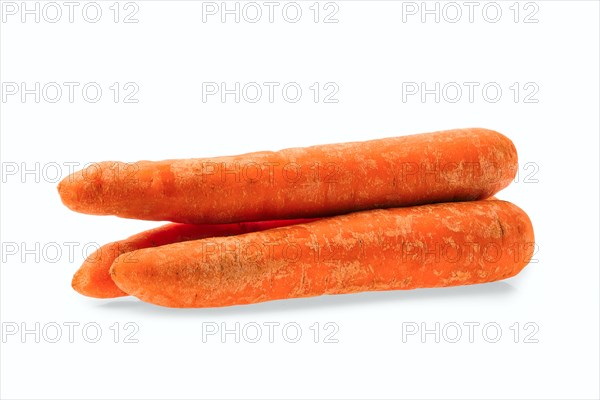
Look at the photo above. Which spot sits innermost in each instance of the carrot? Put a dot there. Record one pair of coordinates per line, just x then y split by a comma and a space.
93, 279
436, 245
454, 165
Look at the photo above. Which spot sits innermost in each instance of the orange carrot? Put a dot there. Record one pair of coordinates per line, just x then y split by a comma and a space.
386, 249
455, 165
93, 279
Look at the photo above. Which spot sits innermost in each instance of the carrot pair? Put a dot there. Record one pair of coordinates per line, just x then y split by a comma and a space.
214, 257
93, 279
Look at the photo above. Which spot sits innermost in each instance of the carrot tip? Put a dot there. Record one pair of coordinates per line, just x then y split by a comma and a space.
84, 282
78, 283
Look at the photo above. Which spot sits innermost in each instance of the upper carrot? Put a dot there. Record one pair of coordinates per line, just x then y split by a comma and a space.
93, 279
436, 245
454, 165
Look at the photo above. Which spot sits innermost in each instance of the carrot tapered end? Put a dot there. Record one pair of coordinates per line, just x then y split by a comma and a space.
93, 280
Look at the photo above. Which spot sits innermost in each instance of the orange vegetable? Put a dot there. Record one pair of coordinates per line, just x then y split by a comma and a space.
436, 245
455, 165
92, 278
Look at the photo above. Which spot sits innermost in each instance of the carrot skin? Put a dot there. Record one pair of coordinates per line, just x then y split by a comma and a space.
425, 246
93, 279
326, 180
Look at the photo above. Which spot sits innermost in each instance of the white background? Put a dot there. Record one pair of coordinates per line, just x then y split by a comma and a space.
368, 54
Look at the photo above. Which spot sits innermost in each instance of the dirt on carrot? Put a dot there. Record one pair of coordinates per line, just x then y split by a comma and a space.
454, 165
93, 279
424, 246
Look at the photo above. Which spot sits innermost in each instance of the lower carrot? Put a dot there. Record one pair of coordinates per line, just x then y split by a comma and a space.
93, 279
445, 244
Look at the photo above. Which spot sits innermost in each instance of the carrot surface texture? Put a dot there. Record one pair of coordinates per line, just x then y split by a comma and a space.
325, 180
93, 278
425, 246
